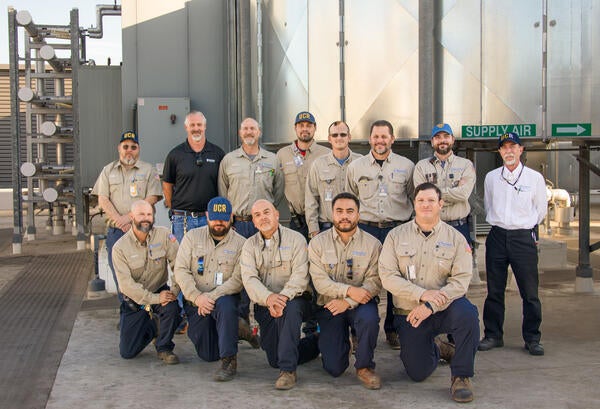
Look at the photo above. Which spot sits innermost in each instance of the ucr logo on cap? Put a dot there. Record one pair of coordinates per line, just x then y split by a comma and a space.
305, 116
129, 136
509, 137
219, 208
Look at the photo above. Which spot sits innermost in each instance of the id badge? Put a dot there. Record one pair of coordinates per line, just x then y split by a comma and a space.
328, 194
382, 191
133, 190
259, 169
412, 275
218, 278
298, 160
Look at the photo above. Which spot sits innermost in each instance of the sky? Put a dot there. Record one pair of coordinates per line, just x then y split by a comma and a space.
56, 12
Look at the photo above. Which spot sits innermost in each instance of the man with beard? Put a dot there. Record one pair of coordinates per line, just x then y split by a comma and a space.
455, 176
247, 174
121, 183
296, 160
274, 267
382, 181
426, 265
149, 308
515, 203
327, 178
343, 267
190, 176
208, 270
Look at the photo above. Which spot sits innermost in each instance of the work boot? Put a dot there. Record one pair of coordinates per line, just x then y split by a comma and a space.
183, 325
286, 380
245, 333
392, 340
488, 343
227, 370
353, 344
534, 348
369, 378
446, 349
462, 390
168, 357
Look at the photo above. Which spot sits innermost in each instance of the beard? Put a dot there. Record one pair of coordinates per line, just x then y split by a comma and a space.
348, 226
129, 161
197, 137
443, 149
144, 226
218, 230
250, 141
381, 149
510, 160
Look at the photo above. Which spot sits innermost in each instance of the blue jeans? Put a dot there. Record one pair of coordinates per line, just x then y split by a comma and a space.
182, 224
112, 235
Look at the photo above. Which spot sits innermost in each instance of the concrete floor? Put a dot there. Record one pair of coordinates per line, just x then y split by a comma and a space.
92, 375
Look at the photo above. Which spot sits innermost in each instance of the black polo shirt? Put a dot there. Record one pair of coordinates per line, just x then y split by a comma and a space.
193, 184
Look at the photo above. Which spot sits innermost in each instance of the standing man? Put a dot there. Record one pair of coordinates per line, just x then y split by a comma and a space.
274, 266
426, 265
208, 270
296, 160
149, 308
515, 203
247, 174
453, 175
382, 181
326, 178
121, 183
190, 176
343, 267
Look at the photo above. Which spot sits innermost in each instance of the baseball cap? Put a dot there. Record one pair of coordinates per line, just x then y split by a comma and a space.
509, 137
129, 136
441, 128
219, 208
305, 116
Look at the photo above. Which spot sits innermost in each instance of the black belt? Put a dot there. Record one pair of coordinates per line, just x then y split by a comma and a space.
242, 218
382, 225
456, 223
192, 213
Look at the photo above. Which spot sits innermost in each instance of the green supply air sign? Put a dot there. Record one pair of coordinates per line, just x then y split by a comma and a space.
494, 131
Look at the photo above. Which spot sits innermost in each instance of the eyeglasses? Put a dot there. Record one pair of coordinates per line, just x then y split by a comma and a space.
130, 147
349, 273
341, 135
199, 160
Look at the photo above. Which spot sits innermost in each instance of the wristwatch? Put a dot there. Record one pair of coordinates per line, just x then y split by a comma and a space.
426, 304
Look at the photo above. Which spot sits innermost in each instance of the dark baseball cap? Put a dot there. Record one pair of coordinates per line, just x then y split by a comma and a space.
509, 137
305, 116
129, 136
219, 208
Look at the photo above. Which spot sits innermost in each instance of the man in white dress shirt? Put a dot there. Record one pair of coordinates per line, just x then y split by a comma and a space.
515, 203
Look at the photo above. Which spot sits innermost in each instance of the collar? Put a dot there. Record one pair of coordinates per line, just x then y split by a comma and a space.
241, 153
415, 227
373, 160
506, 172
436, 159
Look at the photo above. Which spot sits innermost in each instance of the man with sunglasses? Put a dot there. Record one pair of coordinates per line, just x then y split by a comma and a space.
190, 176
343, 267
121, 183
426, 265
274, 266
207, 269
326, 178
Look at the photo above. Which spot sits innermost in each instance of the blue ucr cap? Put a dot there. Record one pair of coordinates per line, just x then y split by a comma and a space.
219, 208
441, 128
129, 136
305, 116
509, 137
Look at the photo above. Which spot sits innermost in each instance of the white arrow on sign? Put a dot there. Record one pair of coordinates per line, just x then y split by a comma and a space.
578, 129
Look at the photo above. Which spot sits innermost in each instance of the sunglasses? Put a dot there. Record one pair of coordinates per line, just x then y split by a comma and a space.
341, 135
130, 147
349, 273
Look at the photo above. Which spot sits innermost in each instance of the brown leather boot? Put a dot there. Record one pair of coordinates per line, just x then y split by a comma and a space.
392, 340
369, 378
462, 390
227, 370
286, 380
446, 349
245, 333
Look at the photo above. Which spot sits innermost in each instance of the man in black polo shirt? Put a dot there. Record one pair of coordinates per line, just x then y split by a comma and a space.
190, 176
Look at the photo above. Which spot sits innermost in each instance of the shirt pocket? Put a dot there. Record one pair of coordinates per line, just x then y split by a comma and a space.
330, 262
443, 257
397, 182
226, 266
290, 171
282, 269
136, 265
366, 188
406, 257
359, 269
141, 186
115, 184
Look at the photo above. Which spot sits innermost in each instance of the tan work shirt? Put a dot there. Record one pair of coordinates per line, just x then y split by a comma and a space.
295, 169
220, 267
125, 186
243, 180
326, 178
329, 265
384, 191
280, 266
411, 263
141, 268
456, 181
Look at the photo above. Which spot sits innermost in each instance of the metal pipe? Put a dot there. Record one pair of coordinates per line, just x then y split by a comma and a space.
427, 67
584, 273
48, 54
30, 169
101, 11
341, 45
24, 19
26, 94
259, 62
49, 128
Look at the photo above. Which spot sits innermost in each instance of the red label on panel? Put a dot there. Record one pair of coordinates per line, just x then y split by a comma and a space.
163, 107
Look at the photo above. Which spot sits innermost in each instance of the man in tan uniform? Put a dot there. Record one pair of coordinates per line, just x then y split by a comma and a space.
208, 271
296, 160
121, 183
326, 178
426, 265
274, 266
455, 176
149, 308
247, 174
382, 181
343, 267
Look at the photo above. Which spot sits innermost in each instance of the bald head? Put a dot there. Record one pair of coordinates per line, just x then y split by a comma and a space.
265, 217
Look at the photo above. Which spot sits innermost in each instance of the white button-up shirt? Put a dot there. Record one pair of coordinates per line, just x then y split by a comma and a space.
515, 200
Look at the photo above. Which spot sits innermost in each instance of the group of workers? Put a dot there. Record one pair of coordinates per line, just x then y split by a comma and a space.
371, 222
